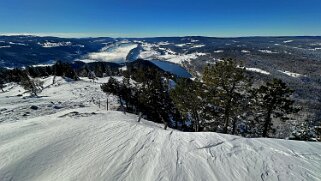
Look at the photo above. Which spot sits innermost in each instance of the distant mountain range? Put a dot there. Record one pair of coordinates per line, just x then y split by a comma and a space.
17, 51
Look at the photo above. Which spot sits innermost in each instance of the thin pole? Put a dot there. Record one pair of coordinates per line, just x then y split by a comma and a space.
107, 104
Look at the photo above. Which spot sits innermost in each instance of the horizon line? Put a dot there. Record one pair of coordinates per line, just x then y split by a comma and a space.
112, 35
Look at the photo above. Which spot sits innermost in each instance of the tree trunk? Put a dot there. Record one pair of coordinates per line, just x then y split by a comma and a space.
165, 126
34, 90
234, 127
197, 124
226, 119
165, 123
197, 121
127, 106
107, 104
176, 123
54, 80
140, 116
122, 105
267, 123
227, 115
35, 93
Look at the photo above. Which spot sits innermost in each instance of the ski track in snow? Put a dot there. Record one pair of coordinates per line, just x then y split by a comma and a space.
72, 143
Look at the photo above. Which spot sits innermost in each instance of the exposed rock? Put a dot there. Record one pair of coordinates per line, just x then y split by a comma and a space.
58, 107
34, 107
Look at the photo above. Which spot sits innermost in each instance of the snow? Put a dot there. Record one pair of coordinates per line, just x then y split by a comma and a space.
288, 41
64, 93
162, 43
86, 60
181, 58
42, 65
174, 58
53, 45
9, 68
181, 45
267, 51
286, 52
245, 51
89, 143
150, 53
258, 70
20, 44
315, 49
48, 44
198, 46
291, 74
113, 53
313, 44
218, 51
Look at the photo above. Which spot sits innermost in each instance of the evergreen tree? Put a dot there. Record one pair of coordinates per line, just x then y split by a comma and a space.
125, 92
2, 84
111, 87
65, 70
304, 131
318, 132
155, 101
227, 87
187, 99
273, 100
92, 75
35, 86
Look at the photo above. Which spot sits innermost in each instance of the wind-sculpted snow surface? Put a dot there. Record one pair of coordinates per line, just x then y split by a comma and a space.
90, 143
112, 146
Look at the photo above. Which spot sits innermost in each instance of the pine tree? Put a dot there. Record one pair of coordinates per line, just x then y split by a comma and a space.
2, 84
227, 85
111, 87
273, 100
125, 92
154, 100
187, 99
92, 75
35, 86
65, 70
318, 132
304, 131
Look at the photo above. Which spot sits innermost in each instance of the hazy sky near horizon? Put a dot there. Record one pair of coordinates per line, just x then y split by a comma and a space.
145, 18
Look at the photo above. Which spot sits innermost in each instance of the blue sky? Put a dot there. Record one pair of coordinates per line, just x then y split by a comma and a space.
146, 18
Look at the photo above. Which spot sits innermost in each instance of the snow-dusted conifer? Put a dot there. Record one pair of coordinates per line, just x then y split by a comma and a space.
273, 100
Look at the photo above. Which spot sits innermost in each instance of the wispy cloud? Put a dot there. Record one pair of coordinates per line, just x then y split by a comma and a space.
117, 54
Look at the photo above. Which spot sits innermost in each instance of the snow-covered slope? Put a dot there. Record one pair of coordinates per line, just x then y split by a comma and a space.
89, 143
152, 52
258, 70
291, 74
